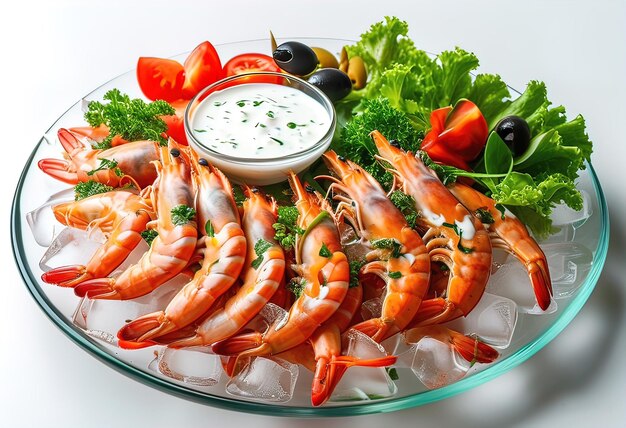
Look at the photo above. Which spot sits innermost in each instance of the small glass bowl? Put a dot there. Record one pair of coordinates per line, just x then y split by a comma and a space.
261, 171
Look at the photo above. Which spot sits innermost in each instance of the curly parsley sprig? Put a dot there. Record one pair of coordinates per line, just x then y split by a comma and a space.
132, 119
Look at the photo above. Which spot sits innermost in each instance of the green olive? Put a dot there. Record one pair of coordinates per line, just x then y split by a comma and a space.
357, 72
343, 60
326, 59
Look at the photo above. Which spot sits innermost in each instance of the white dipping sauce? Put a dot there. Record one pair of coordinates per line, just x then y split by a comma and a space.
259, 120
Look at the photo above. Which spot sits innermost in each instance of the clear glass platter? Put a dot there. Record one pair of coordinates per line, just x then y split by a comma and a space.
576, 255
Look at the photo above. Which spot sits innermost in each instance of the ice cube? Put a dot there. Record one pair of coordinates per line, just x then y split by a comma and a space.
569, 265
41, 220
493, 320
102, 319
436, 364
512, 282
267, 379
196, 365
363, 383
70, 247
372, 308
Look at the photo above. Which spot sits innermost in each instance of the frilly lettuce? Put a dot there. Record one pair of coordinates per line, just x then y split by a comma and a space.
406, 84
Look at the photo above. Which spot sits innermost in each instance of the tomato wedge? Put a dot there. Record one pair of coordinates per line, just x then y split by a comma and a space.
175, 128
202, 67
160, 79
251, 62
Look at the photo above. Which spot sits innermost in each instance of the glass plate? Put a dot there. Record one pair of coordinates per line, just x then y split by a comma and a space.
576, 255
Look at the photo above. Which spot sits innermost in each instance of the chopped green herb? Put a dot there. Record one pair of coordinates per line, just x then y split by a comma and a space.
182, 214
459, 232
291, 125
277, 140
502, 210
219, 103
208, 228
199, 130
392, 372
296, 286
270, 114
484, 216
260, 248
257, 103
406, 204
89, 188
148, 235
241, 103
395, 274
388, 244
325, 252
286, 227
443, 267
131, 119
104, 164
355, 267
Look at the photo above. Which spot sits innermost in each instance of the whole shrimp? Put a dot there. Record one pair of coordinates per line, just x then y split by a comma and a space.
172, 249
224, 254
324, 276
82, 163
261, 279
454, 236
120, 215
509, 234
398, 255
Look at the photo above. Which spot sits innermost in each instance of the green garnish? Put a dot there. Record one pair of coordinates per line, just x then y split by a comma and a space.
199, 130
286, 227
484, 216
291, 125
392, 372
148, 235
131, 119
107, 164
502, 210
325, 252
182, 214
257, 103
355, 267
208, 228
406, 204
388, 244
270, 114
219, 103
277, 140
395, 274
89, 188
241, 103
260, 248
459, 232
296, 286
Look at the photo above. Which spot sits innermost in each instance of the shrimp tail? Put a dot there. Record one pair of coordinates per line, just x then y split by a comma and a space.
375, 328
250, 344
149, 325
97, 287
472, 349
65, 276
540, 280
329, 373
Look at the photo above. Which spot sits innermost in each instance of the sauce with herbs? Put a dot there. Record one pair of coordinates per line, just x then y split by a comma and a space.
259, 120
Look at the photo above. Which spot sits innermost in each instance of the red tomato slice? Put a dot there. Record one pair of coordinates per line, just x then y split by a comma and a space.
175, 128
250, 62
202, 67
160, 79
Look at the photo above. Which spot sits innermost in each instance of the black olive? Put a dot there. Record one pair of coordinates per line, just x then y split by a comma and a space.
175, 152
333, 82
295, 58
515, 133
203, 162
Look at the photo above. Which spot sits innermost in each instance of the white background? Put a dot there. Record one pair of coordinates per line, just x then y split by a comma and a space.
53, 53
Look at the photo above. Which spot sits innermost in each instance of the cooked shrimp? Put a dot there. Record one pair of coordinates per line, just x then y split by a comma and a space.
509, 234
120, 215
324, 276
224, 255
398, 254
263, 275
172, 249
454, 236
